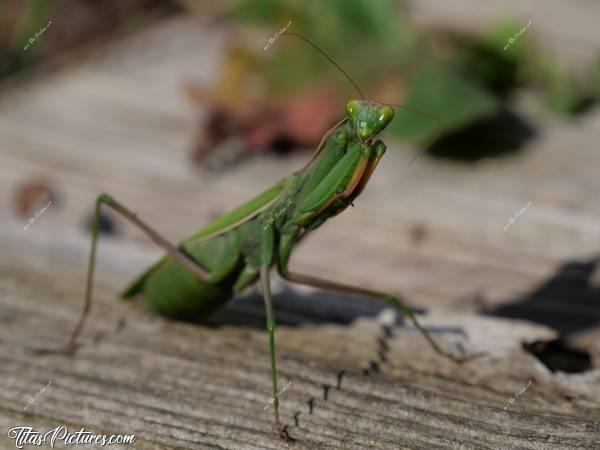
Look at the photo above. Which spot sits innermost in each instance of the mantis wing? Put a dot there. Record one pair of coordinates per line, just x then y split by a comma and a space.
220, 225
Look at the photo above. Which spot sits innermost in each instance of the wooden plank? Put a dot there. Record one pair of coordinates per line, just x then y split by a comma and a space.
119, 124
567, 28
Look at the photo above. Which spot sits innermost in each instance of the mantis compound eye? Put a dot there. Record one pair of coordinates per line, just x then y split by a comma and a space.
352, 107
384, 115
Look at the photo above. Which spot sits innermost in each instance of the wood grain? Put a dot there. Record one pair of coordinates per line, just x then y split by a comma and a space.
118, 123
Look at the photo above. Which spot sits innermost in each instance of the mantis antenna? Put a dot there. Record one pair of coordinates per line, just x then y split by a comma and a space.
428, 115
408, 108
313, 45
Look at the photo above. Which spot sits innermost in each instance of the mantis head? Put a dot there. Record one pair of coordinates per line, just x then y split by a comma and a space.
368, 118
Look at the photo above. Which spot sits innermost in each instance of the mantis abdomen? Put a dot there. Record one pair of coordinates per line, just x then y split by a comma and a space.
230, 259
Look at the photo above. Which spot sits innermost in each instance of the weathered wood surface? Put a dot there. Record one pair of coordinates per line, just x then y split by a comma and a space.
566, 27
118, 123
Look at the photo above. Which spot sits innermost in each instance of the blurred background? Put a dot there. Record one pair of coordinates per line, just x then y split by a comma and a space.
184, 109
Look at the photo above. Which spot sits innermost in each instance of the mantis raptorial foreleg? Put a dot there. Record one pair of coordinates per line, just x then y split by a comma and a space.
172, 251
387, 298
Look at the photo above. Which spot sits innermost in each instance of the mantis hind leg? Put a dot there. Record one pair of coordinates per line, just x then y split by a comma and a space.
104, 199
382, 296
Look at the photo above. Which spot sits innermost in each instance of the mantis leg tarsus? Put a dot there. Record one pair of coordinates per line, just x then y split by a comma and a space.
283, 434
388, 298
70, 346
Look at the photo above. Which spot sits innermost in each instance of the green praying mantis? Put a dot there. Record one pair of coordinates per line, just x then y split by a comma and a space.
241, 247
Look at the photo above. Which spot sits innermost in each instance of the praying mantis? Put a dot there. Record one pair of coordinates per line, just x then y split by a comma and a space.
239, 248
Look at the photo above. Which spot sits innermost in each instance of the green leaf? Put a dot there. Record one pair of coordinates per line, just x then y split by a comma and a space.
595, 78
510, 38
498, 58
444, 92
562, 93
